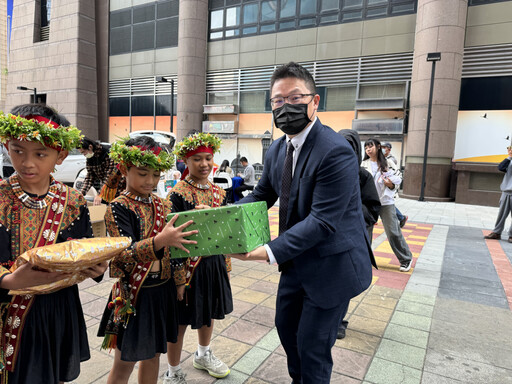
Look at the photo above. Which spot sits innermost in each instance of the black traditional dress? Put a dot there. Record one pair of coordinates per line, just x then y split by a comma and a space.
208, 291
46, 334
155, 323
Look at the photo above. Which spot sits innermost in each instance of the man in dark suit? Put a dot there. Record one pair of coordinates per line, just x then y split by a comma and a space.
322, 249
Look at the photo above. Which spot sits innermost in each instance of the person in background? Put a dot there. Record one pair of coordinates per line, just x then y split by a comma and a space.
248, 178
370, 204
387, 179
386, 150
7, 167
99, 166
224, 167
505, 200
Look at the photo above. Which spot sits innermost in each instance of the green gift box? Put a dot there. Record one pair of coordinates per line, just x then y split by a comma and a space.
230, 229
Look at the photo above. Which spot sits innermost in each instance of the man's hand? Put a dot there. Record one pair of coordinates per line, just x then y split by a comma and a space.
181, 292
96, 270
202, 206
259, 253
26, 276
97, 200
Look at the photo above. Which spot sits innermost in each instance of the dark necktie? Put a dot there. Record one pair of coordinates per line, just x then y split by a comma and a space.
286, 184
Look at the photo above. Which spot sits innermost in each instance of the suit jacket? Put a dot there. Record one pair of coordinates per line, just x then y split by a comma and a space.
326, 241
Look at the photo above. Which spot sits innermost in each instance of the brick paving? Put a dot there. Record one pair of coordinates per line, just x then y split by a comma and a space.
448, 320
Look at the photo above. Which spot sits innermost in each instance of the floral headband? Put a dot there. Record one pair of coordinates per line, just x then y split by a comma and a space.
198, 142
39, 129
140, 156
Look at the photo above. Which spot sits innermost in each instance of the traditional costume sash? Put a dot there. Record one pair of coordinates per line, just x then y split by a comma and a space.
20, 305
125, 293
193, 263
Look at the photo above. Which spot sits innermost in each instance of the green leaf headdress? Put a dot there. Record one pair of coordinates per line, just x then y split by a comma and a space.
39, 129
140, 156
198, 142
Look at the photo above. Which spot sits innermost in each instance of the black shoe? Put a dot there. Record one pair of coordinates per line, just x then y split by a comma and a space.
341, 333
403, 221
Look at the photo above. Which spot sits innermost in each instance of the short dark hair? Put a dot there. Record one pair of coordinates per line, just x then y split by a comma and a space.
86, 142
387, 145
143, 141
40, 110
243, 159
295, 70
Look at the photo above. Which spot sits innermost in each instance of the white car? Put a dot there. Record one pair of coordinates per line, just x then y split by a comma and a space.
70, 168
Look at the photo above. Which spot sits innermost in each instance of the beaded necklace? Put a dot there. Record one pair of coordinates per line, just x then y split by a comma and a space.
215, 195
146, 200
30, 201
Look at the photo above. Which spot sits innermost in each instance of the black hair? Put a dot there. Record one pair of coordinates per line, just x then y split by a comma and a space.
295, 70
40, 110
223, 166
143, 141
86, 142
244, 159
381, 160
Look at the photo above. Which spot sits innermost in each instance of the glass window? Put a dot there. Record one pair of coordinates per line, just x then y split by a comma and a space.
352, 4
215, 35
374, 12
254, 102
46, 7
267, 28
249, 30
119, 106
357, 15
251, 13
216, 4
307, 22
307, 7
328, 5
222, 98
232, 32
142, 106
120, 40
167, 9
232, 17
329, 19
143, 36
288, 8
340, 98
402, 8
377, 2
286, 25
232, 2
217, 19
382, 91
143, 14
163, 105
121, 18
167, 32
268, 10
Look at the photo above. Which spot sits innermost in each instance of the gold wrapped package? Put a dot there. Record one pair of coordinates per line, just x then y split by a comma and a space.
71, 256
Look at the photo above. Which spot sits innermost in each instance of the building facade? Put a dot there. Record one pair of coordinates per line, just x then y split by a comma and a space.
186, 65
3, 53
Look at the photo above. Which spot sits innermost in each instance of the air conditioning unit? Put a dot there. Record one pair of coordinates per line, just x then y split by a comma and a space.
378, 126
220, 126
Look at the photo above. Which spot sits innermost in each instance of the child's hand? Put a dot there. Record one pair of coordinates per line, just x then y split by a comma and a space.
202, 206
96, 270
181, 291
26, 276
174, 237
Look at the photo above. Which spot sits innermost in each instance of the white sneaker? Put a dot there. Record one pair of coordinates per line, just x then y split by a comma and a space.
406, 267
209, 362
176, 378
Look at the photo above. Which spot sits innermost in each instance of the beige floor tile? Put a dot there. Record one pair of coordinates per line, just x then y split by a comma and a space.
359, 342
373, 312
242, 281
366, 325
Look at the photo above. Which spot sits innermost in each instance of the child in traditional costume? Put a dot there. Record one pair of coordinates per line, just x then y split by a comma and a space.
43, 337
141, 315
207, 294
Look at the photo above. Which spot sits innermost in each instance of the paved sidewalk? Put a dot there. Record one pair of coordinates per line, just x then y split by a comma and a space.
446, 321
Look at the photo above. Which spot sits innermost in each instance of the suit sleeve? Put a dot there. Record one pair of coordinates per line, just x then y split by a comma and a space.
332, 188
503, 166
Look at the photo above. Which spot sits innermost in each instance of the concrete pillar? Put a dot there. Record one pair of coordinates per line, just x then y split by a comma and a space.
192, 43
440, 27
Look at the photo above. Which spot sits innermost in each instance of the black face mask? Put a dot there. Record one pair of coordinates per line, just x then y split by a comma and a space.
291, 118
